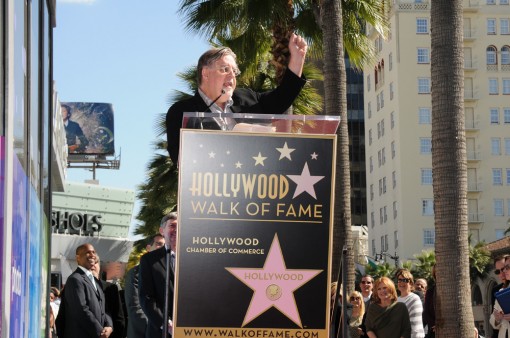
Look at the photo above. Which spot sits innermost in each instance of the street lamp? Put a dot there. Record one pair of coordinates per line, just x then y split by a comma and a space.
379, 257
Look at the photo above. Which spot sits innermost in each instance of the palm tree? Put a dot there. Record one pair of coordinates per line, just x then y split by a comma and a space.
449, 167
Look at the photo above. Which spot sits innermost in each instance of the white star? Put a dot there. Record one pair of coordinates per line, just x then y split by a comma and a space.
259, 159
239, 164
212, 154
314, 155
305, 182
285, 151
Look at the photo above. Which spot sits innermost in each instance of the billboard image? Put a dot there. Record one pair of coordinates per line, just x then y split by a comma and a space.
89, 127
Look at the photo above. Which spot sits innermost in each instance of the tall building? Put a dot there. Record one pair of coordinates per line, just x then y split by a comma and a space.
398, 127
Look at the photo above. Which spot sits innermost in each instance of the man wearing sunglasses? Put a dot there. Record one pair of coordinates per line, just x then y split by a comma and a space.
499, 263
366, 286
217, 71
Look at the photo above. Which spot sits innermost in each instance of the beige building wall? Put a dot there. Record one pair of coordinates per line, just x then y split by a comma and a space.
399, 205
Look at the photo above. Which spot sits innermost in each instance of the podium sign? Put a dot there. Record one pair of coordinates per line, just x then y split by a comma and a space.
255, 234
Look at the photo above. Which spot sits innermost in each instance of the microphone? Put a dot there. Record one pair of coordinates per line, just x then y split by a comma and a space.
216, 99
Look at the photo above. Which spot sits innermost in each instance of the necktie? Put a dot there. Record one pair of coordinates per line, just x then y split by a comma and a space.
91, 277
172, 260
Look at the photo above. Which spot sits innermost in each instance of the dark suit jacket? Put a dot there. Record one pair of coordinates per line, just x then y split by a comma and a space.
82, 308
276, 101
152, 291
137, 320
73, 131
113, 307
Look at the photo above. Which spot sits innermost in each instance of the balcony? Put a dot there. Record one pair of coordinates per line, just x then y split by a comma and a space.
474, 187
470, 94
471, 125
469, 35
473, 156
417, 5
470, 65
476, 218
471, 6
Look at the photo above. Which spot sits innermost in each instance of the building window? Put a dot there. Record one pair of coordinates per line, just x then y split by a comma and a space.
369, 109
507, 146
500, 233
383, 155
508, 179
429, 237
495, 146
503, 2
379, 158
372, 219
392, 119
381, 216
424, 85
426, 176
503, 26
390, 61
491, 55
373, 248
491, 26
505, 55
506, 115
391, 91
506, 86
385, 214
371, 192
394, 179
380, 187
427, 207
494, 114
423, 55
370, 137
425, 145
497, 178
384, 185
394, 209
393, 151
395, 238
422, 25
371, 164
424, 115
368, 83
498, 207
493, 86
491, 2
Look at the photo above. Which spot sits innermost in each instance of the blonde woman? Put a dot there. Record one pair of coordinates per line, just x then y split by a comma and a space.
412, 301
387, 318
356, 316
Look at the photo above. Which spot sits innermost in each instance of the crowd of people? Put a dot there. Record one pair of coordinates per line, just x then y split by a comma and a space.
89, 306
406, 308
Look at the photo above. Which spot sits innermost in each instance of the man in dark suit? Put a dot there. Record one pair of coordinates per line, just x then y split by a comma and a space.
216, 72
499, 263
137, 320
152, 276
83, 302
113, 303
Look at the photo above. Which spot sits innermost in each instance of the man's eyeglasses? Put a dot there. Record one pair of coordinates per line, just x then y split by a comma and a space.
354, 298
506, 267
228, 69
498, 271
403, 280
365, 282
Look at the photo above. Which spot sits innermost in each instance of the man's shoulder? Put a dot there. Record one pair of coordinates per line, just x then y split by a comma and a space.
188, 103
153, 255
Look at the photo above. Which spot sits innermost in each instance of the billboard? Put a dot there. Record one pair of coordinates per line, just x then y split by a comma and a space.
89, 127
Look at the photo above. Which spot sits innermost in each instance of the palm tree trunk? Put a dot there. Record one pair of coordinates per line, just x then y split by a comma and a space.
454, 316
336, 104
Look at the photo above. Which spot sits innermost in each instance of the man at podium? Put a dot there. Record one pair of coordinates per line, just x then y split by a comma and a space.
217, 71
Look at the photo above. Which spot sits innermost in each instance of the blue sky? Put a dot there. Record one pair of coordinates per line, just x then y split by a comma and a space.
124, 52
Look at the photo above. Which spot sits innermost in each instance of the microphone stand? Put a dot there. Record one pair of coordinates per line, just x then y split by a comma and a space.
167, 286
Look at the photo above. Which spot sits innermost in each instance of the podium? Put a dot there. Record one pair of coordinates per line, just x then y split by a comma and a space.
255, 225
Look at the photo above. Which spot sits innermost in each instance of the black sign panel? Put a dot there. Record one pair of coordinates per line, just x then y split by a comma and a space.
254, 238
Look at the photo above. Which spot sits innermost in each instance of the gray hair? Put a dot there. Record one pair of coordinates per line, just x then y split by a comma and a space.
211, 56
170, 216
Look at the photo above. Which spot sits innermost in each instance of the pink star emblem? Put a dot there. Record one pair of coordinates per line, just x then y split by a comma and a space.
305, 182
273, 285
